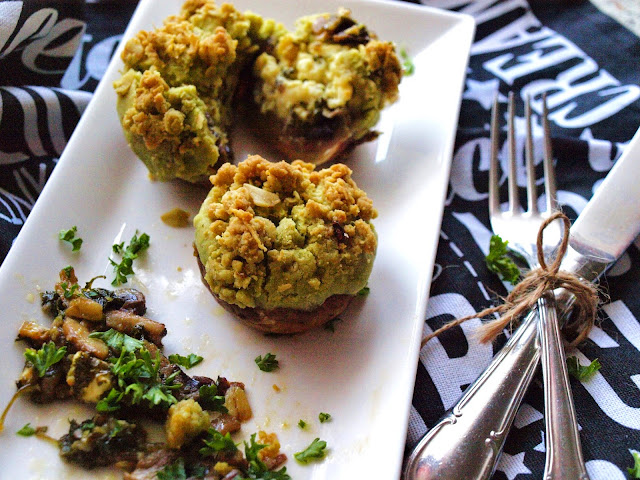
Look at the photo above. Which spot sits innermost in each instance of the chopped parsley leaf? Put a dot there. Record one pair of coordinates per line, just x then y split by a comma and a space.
111, 402
210, 400
173, 471
315, 451
70, 237
129, 253
302, 424
187, 362
500, 263
634, 472
324, 417
364, 291
257, 469
138, 380
27, 431
46, 356
118, 341
581, 372
69, 292
408, 68
216, 442
268, 363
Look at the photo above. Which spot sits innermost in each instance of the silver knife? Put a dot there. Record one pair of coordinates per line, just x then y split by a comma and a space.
467, 441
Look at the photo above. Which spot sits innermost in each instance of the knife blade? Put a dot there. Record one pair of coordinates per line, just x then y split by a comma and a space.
467, 440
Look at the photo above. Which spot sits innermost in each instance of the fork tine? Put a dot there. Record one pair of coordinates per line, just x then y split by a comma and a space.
494, 200
514, 203
549, 171
532, 196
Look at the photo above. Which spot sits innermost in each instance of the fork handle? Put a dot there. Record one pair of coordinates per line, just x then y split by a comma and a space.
564, 454
467, 440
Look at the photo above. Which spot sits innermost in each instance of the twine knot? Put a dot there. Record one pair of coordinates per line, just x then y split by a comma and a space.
534, 284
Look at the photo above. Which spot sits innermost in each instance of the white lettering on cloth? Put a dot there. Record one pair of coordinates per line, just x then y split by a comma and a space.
435, 359
549, 49
598, 387
603, 470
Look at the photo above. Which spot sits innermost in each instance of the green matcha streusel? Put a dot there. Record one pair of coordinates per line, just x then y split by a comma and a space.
190, 64
273, 236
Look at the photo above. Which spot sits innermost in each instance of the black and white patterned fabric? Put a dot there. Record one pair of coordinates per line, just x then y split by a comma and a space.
53, 53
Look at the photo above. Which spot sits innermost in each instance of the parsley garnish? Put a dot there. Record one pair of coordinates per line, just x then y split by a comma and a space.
315, 451
26, 431
634, 472
302, 424
187, 362
216, 442
111, 402
364, 291
581, 372
88, 425
129, 254
210, 400
408, 68
69, 292
499, 262
268, 363
46, 356
324, 417
257, 469
118, 341
173, 471
70, 236
137, 381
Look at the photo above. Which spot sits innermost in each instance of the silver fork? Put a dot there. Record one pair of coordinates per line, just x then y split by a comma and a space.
467, 440
520, 228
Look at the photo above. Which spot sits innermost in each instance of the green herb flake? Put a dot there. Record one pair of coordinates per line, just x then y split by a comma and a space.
118, 341
210, 400
302, 424
580, 372
324, 417
216, 442
364, 291
26, 431
499, 262
187, 362
315, 451
69, 292
138, 382
111, 402
257, 469
408, 68
173, 471
634, 472
268, 363
45, 357
70, 237
129, 253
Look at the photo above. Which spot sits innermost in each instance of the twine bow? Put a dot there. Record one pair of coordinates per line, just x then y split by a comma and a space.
535, 283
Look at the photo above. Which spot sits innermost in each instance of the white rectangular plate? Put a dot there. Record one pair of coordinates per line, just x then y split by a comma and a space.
363, 373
